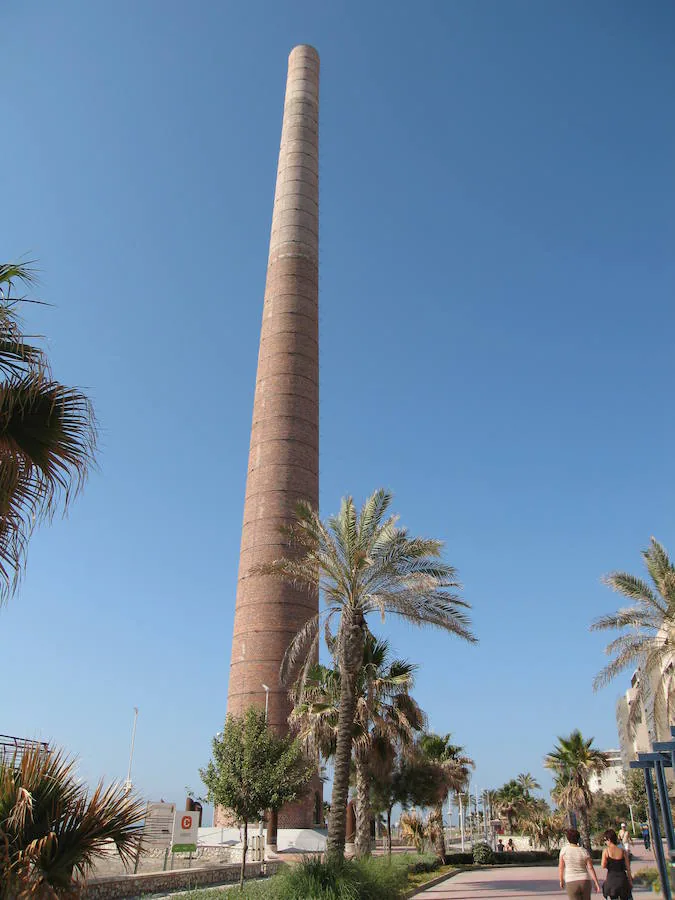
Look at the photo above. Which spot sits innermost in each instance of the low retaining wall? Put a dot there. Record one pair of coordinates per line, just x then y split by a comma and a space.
158, 882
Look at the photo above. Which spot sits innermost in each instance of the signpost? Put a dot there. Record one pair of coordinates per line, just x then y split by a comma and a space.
185, 831
662, 757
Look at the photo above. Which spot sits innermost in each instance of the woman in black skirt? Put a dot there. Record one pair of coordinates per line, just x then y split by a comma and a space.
615, 859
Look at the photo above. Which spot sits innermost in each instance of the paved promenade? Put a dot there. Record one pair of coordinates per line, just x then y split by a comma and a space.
500, 883
533, 881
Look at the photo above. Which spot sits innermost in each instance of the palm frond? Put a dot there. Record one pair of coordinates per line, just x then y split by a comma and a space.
48, 438
657, 561
299, 651
633, 588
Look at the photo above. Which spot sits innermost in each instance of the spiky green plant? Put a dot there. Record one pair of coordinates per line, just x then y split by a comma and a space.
47, 435
647, 626
52, 830
362, 564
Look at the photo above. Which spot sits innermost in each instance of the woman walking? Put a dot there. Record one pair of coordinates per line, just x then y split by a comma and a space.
575, 869
616, 860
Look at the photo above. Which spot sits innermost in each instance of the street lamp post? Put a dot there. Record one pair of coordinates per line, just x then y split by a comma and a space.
267, 701
127, 783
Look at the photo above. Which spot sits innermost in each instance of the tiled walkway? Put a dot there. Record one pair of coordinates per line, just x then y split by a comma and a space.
507, 883
500, 883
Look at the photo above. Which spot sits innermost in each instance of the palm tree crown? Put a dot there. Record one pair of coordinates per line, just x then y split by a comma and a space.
574, 760
47, 436
528, 783
362, 563
454, 771
647, 625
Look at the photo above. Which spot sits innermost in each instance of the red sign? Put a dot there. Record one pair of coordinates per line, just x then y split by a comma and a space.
186, 823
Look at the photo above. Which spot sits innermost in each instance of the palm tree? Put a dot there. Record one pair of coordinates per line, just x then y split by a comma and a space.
574, 760
51, 831
544, 828
454, 776
47, 436
647, 625
386, 719
362, 563
509, 798
528, 783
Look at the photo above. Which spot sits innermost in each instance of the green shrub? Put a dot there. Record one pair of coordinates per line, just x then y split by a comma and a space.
483, 854
374, 878
416, 863
526, 857
364, 879
650, 878
459, 859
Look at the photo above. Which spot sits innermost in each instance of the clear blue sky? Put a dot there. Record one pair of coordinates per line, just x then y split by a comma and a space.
497, 273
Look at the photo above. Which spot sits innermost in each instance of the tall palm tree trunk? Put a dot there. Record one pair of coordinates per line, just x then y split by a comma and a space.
584, 821
362, 807
335, 845
439, 835
351, 659
389, 809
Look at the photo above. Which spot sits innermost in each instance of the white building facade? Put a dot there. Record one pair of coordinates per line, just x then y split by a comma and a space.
645, 713
610, 779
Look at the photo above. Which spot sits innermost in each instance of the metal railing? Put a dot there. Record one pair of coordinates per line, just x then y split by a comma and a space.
12, 748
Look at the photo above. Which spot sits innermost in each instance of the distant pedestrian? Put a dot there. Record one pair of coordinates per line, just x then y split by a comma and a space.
645, 836
510, 846
500, 846
575, 868
624, 837
619, 882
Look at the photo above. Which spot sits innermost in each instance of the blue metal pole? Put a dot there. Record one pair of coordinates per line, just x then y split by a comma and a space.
664, 800
664, 872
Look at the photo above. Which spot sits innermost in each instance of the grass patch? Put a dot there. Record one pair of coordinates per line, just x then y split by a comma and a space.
417, 879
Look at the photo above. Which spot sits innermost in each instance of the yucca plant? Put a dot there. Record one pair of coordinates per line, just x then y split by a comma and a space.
362, 564
414, 830
47, 435
52, 830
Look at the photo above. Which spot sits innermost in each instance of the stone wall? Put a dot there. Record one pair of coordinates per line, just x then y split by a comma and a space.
186, 879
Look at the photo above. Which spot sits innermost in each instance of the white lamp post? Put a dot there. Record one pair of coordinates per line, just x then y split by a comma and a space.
267, 700
127, 783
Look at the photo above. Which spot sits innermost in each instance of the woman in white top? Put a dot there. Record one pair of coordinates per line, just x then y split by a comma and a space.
576, 869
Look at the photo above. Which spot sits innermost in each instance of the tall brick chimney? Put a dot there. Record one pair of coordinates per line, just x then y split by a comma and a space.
283, 464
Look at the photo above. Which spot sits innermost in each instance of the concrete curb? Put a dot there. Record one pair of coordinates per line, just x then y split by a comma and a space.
439, 879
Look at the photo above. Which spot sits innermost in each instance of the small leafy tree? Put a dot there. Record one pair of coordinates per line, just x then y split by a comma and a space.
254, 769
636, 793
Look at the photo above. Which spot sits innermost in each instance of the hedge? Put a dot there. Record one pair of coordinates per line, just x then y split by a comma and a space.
518, 858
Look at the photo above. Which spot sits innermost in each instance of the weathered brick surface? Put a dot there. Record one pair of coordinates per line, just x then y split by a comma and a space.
284, 451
